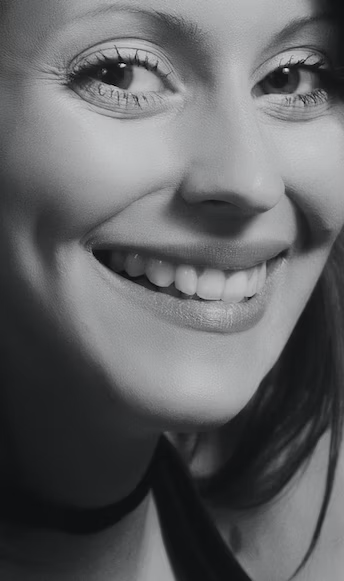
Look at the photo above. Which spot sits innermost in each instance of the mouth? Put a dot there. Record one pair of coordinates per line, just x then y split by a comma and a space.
194, 296
186, 281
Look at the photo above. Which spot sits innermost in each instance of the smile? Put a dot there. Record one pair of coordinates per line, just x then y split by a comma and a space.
201, 298
186, 281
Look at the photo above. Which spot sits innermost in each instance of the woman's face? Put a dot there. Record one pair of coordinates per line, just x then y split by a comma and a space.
197, 133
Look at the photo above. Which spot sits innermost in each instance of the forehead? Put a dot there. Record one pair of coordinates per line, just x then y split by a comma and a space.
229, 24
233, 13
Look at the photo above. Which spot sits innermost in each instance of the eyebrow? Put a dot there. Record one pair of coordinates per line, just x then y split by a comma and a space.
179, 26
296, 25
175, 24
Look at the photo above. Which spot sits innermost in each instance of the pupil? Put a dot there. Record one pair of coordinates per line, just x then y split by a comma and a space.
118, 75
284, 79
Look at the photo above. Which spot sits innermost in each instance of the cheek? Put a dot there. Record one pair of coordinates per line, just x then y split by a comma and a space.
77, 167
312, 165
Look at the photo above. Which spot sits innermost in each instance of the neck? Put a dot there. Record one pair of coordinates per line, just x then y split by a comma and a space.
84, 480
57, 555
270, 542
73, 463
131, 550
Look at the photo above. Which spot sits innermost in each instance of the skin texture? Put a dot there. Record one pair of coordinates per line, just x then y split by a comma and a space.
90, 377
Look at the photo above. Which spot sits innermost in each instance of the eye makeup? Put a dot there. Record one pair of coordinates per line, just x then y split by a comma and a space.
124, 78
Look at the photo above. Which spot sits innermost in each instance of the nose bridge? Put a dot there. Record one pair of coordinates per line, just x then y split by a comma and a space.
232, 161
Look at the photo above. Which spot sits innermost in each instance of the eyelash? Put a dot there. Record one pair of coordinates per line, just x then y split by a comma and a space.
121, 97
330, 78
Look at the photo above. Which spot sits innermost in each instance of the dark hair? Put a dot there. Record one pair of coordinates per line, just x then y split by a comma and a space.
279, 429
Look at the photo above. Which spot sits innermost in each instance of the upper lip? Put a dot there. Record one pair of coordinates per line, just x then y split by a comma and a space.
218, 255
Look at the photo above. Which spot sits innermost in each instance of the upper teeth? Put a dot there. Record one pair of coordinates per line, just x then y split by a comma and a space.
208, 283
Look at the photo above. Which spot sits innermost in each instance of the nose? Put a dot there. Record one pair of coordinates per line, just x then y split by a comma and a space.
232, 162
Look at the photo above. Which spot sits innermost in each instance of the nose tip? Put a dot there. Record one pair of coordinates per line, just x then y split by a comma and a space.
234, 166
251, 193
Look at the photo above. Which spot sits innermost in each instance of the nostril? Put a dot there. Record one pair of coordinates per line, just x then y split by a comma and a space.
215, 204
222, 208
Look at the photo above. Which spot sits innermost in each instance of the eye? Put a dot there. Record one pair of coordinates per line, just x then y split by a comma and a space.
300, 89
129, 82
289, 80
137, 77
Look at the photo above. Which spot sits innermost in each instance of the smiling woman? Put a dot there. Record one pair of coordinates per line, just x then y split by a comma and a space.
171, 243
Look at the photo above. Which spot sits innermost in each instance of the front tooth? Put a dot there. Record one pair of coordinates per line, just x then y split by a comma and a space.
261, 277
186, 279
134, 265
211, 284
253, 282
235, 287
116, 262
159, 272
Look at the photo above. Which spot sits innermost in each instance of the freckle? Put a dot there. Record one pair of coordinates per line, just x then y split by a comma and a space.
235, 539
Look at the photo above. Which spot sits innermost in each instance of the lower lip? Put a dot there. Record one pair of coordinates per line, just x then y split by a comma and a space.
209, 316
